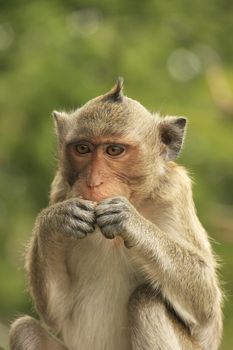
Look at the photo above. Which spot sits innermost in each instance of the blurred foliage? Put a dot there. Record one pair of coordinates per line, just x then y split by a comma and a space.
176, 57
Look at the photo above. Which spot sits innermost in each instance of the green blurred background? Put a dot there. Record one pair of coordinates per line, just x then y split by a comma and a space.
176, 58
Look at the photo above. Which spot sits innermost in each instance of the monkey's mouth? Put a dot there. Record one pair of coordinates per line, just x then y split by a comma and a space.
98, 196
94, 196
99, 193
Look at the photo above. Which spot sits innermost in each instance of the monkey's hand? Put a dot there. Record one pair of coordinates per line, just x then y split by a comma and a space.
115, 216
74, 217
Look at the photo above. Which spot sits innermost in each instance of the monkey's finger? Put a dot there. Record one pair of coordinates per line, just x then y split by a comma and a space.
111, 219
84, 204
82, 226
107, 211
84, 215
115, 200
107, 208
108, 232
72, 232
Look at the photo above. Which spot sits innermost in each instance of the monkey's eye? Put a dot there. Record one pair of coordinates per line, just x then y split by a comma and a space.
115, 150
82, 148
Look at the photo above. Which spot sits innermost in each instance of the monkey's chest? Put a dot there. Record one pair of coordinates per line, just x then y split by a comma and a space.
106, 278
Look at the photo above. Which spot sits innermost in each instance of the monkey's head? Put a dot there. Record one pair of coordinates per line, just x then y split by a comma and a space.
113, 146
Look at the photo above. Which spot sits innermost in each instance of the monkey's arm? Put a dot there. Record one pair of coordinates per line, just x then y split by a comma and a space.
56, 230
184, 273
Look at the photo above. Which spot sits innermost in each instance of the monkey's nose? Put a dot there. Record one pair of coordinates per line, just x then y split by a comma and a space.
94, 180
94, 184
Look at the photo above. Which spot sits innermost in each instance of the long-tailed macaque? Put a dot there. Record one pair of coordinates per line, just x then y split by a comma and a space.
119, 259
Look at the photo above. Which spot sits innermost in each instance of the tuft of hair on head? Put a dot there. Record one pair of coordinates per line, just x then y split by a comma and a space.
116, 93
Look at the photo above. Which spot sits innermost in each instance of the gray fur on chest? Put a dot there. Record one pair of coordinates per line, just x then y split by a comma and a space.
105, 278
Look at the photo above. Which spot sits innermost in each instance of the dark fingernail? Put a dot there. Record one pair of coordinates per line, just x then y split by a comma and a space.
128, 245
110, 237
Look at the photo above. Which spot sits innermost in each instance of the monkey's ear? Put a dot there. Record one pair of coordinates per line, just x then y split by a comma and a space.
116, 93
59, 122
172, 132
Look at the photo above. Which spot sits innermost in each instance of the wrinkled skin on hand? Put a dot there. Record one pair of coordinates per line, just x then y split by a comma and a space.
74, 217
115, 216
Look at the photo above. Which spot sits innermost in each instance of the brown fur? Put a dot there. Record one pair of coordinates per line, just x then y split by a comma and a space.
143, 276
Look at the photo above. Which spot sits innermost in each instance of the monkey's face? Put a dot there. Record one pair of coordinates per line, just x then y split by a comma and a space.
104, 167
112, 146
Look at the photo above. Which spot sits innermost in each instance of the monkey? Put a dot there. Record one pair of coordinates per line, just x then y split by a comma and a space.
119, 258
